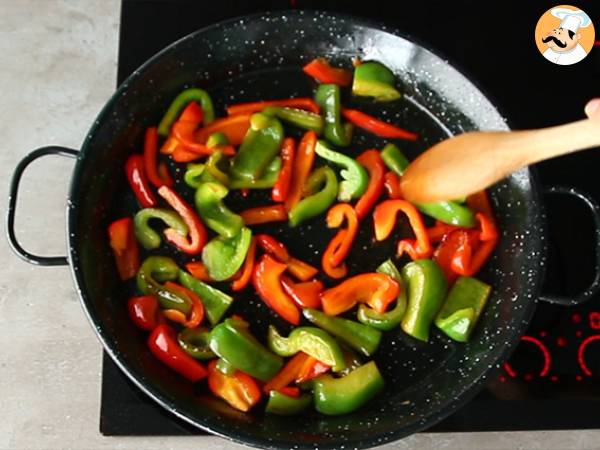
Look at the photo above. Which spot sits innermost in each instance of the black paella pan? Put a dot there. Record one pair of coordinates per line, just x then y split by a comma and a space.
260, 57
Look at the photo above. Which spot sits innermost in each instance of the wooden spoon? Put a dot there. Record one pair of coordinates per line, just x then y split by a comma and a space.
470, 162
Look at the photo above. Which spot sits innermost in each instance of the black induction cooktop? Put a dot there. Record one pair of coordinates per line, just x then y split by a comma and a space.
553, 379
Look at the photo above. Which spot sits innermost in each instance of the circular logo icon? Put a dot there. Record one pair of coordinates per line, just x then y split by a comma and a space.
564, 35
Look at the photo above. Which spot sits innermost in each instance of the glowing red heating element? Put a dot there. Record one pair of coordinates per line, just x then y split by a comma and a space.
545, 353
594, 318
581, 353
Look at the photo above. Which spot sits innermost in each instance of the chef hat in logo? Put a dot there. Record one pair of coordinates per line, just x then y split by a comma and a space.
571, 19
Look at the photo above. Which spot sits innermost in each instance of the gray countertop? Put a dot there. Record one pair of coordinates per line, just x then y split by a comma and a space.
58, 67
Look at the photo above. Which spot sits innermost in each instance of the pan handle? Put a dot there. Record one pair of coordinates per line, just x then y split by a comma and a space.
594, 208
12, 206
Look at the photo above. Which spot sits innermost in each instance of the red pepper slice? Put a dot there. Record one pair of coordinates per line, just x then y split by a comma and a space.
376, 289
384, 219
376, 126
468, 262
446, 252
335, 217
264, 214
234, 127
181, 155
198, 270
197, 313
302, 165
306, 294
247, 269
392, 185
145, 312
169, 146
375, 166
306, 103
290, 391
266, 281
240, 390
323, 72
197, 232
311, 368
282, 185
150, 159
439, 231
301, 270
479, 202
163, 345
288, 373
136, 176
332, 271
125, 247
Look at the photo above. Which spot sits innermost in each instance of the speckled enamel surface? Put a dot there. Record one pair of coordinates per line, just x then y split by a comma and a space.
260, 57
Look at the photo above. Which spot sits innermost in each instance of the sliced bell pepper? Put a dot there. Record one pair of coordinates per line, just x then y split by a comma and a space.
455, 248
352, 359
301, 270
216, 303
312, 368
282, 186
180, 102
462, 308
232, 341
197, 308
384, 219
239, 389
247, 269
378, 290
288, 374
298, 117
309, 340
264, 214
303, 163
213, 168
321, 70
439, 231
360, 337
341, 270
394, 159
136, 176
196, 239
306, 294
156, 270
267, 181
125, 248
199, 271
217, 138
223, 257
213, 211
336, 132
373, 79
144, 312
426, 287
285, 405
480, 202
261, 143
224, 367
374, 165
335, 217
196, 174
151, 162
335, 396
305, 103
146, 236
183, 131
163, 345
390, 319
315, 202
376, 126
467, 261
194, 341
392, 185
234, 127
355, 176
266, 281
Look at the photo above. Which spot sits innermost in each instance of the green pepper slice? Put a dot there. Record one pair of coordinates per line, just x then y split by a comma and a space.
302, 119
373, 79
315, 203
180, 102
354, 174
232, 341
224, 367
217, 138
216, 303
336, 132
156, 270
224, 256
196, 174
268, 179
284, 405
462, 308
358, 336
194, 341
426, 286
310, 340
334, 396
146, 236
216, 166
390, 319
214, 213
261, 144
